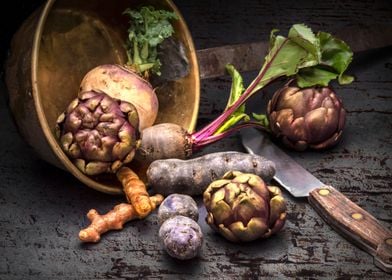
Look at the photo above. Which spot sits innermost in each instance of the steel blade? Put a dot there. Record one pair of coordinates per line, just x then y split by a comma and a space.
250, 56
289, 174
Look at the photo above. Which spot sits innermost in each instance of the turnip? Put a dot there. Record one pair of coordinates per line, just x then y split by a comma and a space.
148, 28
125, 84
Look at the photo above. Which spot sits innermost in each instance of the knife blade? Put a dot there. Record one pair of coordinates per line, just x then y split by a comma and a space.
335, 208
250, 56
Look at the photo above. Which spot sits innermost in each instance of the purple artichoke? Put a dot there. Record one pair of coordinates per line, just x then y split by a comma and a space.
98, 132
309, 117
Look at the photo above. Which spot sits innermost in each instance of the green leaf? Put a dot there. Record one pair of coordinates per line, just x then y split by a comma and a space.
335, 53
237, 86
304, 37
308, 77
283, 60
148, 28
345, 79
272, 38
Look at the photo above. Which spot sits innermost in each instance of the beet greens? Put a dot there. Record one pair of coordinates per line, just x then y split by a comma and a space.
312, 59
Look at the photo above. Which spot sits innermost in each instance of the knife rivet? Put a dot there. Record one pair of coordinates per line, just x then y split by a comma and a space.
357, 216
388, 241
324, 192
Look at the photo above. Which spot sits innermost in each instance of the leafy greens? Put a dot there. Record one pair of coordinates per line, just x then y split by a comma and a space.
148, 28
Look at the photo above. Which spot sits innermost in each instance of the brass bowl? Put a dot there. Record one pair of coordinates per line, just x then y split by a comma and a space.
52, 51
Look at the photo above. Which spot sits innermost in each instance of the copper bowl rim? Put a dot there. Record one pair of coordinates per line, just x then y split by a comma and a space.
49, 135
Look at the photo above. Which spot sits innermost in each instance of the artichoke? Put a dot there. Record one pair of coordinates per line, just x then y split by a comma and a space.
241, 207
306, 118
98, 132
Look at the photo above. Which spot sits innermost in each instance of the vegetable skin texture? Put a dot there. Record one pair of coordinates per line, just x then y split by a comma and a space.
306, 118
242, 208
162, 141
122, 83
178, 204
113, 220
193, 176
99, 133
181, 237
136, 192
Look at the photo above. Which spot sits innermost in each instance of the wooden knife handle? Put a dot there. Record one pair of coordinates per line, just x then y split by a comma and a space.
355, 224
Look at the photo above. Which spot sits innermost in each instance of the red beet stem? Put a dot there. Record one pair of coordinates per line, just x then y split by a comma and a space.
206, 135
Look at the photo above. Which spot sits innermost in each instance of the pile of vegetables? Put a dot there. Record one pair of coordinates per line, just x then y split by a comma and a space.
111, 122
302, 55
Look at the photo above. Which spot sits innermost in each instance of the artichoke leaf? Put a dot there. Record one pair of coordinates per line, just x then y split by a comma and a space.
227, 233
255, 229
241, 178
277, 207
221, 212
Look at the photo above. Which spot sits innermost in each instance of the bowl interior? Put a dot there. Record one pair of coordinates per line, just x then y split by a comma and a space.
75, 37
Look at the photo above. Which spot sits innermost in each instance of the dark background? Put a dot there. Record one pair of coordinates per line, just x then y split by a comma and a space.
43, 208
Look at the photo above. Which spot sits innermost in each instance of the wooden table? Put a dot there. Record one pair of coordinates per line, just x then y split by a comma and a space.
43, 208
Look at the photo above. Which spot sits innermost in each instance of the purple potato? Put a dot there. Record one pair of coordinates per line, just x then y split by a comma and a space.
178, 204
181, 237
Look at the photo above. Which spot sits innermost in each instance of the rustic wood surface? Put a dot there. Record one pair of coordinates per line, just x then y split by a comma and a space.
43, 208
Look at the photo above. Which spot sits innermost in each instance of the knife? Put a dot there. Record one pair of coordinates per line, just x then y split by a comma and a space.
250, 56
342, 214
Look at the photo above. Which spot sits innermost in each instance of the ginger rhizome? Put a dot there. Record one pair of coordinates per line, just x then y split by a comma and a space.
139, 205
135, 191
113, 220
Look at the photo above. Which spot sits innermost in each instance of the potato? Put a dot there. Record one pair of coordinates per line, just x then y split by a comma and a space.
181, 237
178, 204
192, 176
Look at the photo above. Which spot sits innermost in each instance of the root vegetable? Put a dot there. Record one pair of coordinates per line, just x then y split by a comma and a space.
161, 141
136, 192
181, 237
192, 176
178, 204
113, 220
141, 204
124, 84
148, 28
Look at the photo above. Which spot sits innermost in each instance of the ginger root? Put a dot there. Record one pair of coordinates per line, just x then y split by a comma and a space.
114, 219
140, 205
135, 191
